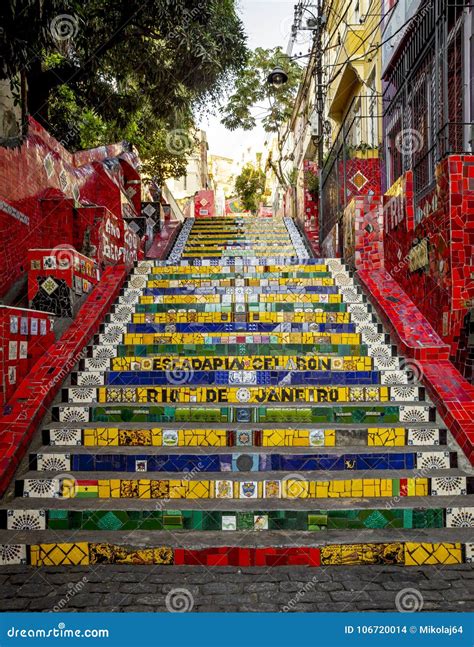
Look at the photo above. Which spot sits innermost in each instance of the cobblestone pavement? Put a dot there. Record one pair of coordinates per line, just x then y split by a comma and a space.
144, 588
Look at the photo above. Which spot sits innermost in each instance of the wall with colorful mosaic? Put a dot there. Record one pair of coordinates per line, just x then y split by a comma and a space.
429, 250
235, 389
42, 212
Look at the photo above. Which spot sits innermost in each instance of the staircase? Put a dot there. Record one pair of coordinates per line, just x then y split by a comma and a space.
241, 406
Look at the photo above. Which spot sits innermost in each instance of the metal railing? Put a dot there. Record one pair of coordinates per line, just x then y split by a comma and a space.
452, 139
425, 98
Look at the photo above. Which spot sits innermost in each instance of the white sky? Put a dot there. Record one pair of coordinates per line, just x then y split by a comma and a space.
268, 24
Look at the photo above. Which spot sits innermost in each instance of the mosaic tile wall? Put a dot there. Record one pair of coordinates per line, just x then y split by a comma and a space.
25, 335
58, 278
43, 213
239, 387
429, 250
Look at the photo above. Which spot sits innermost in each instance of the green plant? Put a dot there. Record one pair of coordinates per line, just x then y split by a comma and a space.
102, 71
249, 186
311, 181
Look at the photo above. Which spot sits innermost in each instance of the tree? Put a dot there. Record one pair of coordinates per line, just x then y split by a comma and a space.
119, 65
250, 185
251, 90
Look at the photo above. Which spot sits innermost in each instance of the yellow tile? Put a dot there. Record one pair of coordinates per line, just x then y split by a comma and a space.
115, 488
76, 554
330, 438
104, 489
144, 489
198, 490
178, 488
156, 437
322, 489
90, 437
417, 554
421, 487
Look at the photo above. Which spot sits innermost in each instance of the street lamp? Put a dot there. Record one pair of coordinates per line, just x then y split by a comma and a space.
277, 77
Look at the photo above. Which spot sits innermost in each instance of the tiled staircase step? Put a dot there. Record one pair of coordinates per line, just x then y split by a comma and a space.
281, 378
205, 338
401, 553
310, 486
385, 358
245, 461
297, 413
256, 439
242, 286
446, 502
232, 519
251, 266
245, 309
250, 274
236, 395
234, 363
202, 539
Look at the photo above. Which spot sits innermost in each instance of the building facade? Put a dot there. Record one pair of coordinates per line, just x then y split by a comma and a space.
197, 174
398, 145
352, 108
428, 176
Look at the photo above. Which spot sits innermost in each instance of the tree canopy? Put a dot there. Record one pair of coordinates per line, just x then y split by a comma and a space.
252, 94
250, 185
105, 70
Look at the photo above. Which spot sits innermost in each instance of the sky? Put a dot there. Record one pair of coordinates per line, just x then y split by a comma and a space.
268, 24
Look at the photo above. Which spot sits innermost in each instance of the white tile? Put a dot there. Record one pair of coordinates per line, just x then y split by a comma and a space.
229, 522
53, 462
12, 554
65, 437
433, 460
460, 518
448, 486
26, 520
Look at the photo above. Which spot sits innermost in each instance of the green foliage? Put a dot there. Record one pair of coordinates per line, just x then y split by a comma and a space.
252, 93
129, 69
250, 185
312, 183
25, 31
293, 177
252, 89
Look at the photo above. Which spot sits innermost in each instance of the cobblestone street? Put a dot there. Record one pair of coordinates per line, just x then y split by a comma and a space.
144, 588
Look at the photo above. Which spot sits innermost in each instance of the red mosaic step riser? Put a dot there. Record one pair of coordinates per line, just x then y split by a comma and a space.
30, 401
248, 557
443, 291
451, 393
164, 242
425, 344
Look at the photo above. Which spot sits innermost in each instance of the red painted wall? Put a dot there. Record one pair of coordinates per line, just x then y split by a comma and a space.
310, 222
40, 185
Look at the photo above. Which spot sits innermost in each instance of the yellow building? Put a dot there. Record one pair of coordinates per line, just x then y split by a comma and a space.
352, 68
222, 173
352, 71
